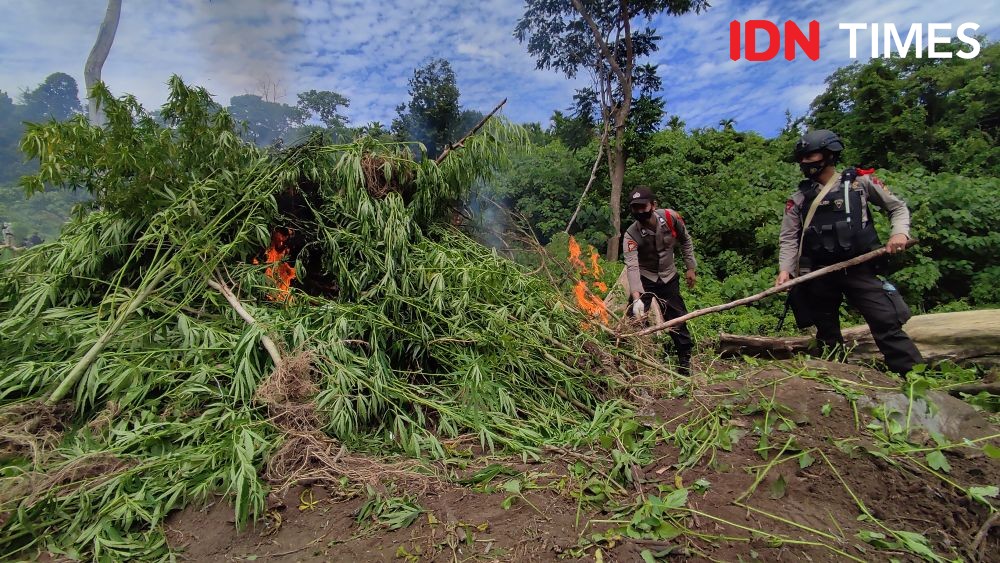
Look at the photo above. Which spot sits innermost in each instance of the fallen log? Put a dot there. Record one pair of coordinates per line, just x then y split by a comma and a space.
766, 293
974, 388
965, 337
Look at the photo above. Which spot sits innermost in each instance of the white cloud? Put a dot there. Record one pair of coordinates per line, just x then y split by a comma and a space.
368, 51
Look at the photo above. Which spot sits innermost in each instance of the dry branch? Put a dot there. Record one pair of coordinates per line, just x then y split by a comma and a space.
766, 293
593, 175
461, 142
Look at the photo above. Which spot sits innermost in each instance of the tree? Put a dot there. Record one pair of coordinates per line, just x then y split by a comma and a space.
432, 116
575, 132
266, 122
325, 104
597, 36
99, 54
899, 113
57, 98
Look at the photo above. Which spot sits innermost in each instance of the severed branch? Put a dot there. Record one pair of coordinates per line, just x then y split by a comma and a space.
461, 143
593, 175
269, 345
766, 293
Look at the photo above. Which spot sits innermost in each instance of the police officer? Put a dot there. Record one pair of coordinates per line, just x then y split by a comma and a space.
649, 246
833, 209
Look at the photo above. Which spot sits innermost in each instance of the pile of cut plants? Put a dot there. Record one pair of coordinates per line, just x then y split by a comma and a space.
228, 320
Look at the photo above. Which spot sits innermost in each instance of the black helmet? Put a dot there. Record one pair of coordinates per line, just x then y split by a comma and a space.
818, 140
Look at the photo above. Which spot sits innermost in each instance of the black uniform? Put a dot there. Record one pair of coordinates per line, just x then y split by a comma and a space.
842, 228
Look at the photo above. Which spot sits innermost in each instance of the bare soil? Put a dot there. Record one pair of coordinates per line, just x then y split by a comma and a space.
814, 517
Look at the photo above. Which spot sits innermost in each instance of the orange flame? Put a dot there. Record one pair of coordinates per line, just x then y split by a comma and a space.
574, 256
281, 273
585, 298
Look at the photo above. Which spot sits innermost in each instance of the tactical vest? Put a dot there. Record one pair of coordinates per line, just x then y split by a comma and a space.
838, 230
649, 255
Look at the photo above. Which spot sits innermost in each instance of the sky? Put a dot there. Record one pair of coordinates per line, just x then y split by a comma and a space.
367, 51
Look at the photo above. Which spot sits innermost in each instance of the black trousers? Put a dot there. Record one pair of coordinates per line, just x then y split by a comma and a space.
672, 306
864, 292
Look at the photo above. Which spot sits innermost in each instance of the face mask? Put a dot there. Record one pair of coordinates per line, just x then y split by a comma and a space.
812, 170
642, 215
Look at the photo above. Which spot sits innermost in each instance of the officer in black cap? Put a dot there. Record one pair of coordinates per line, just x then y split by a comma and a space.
649, 245
828, 220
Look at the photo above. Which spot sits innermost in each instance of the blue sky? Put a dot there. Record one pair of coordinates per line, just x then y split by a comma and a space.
368, 50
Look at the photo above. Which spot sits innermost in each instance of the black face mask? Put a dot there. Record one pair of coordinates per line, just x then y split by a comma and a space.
812, 170
642, 215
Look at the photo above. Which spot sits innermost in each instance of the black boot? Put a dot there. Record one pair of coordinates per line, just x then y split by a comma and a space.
684, 365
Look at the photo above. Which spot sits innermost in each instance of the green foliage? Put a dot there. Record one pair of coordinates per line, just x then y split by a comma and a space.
956, 220
544, 186
392, 512
939, 114
433, 116
266, 121
426, 335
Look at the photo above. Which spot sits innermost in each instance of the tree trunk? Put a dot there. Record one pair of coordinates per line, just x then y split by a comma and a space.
617, 179
99, 54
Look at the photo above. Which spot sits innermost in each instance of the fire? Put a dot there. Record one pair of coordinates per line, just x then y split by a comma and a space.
281, 273
585, 298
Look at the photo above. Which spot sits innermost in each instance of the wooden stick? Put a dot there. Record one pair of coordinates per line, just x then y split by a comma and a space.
973, 388
461, 142
269, 345
593, 175
81, 366
768, 292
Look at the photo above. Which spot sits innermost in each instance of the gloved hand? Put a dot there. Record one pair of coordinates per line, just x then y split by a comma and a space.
639, 309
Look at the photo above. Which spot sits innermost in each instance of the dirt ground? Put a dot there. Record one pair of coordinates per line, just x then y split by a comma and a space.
827, 480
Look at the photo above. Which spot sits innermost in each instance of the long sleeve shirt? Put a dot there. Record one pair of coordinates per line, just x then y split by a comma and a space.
649, 253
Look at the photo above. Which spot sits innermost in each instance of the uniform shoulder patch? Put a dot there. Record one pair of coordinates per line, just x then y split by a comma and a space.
789, 205
631, 245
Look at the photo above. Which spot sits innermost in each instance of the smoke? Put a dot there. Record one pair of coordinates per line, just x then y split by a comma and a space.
489, 221
251, 46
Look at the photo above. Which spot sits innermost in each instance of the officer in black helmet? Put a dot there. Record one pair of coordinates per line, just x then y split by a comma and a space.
828, 220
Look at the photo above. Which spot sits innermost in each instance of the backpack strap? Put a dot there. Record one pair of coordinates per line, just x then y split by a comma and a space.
669, 213
810, 213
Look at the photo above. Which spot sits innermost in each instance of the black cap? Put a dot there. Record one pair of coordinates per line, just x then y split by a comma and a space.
641, 194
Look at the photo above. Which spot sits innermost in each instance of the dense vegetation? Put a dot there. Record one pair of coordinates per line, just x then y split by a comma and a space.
928, 125
731, 186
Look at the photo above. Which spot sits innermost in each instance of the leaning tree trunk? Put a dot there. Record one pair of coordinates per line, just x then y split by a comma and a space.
99, 54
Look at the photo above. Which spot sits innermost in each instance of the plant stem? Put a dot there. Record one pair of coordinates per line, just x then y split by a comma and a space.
81, 367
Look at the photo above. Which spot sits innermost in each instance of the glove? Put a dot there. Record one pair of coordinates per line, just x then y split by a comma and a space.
639, 309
